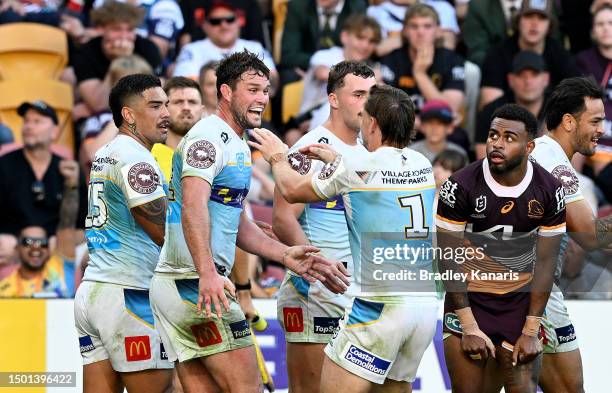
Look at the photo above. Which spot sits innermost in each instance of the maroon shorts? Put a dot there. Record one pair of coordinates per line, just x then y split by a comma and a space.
500, 317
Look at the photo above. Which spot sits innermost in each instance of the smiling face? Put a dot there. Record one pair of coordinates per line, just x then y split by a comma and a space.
185, 108
508, 145
33, 248
588, 127
249, 99
151, 116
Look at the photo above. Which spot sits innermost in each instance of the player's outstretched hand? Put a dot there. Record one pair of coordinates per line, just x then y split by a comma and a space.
477, 345
211, 291
311, 267
319, 151
267, 143
526, 349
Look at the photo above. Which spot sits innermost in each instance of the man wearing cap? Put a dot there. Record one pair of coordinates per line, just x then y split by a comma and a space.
528, 81
222, 29
33, 178
436, 125
533, 26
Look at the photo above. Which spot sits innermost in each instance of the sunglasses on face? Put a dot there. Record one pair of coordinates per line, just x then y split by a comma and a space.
41, 242
218, 21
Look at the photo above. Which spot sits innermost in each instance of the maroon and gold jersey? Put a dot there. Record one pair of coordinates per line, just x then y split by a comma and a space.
501, 222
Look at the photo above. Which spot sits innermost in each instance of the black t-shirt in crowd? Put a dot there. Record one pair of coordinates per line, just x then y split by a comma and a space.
447, 72
89, 61
24, 201
498, 64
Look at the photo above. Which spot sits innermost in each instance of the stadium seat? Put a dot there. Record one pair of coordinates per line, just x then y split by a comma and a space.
33, 50
279, 11
57, 94
292, 98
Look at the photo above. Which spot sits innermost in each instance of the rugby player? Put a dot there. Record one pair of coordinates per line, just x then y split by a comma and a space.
309, 314
512, 211
386, 328
125, 230
211, 174
575, 117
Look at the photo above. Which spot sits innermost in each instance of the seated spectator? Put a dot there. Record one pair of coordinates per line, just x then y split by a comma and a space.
390, 15
597, 62
223, 37
91, 62
534, 23
33, 179
208, 86
421, 69
46, 272
249, 16
8, 256
45, 12
528, 81
310, 26
436, 125
162, 22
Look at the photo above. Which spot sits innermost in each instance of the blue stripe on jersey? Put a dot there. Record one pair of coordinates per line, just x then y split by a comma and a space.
301, 285
102, 239
188, 290
228, 196
364, 311
336, 203
137, 302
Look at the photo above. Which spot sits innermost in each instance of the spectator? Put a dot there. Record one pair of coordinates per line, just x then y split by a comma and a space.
528, 81
446, 163
534, 22
208, 86
223, 31
311, 26
32, 184
248, 12
390, 15
436, 125
45, 12
44, 272
8, 257
6, 135
422, 70
597, 62
118, 22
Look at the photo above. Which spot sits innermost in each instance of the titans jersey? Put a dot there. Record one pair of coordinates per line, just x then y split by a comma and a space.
388, 199
501, 223
324, 223
124, 175
212, 151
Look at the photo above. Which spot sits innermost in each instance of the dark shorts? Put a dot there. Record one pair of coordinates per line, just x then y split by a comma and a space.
500, 317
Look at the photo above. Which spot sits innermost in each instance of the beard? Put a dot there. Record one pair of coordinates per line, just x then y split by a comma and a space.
582, 145
509, 165
181, 127
242, 118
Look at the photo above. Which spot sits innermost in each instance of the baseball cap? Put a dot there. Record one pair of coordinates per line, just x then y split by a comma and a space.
542, 7
219, 4
437, 109
39, 106
528, 60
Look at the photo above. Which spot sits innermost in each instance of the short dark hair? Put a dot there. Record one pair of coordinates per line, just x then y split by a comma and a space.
394, 111
357, 23
126, 88
337, 73
180, 82
451, 160
232, 67
116, 11
211, 65
569, 96
518, 113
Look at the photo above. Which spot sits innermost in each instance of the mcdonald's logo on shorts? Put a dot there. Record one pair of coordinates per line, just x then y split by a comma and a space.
137, 348
206, 334
293, 319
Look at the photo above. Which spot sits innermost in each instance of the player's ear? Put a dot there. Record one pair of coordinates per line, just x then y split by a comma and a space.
568, 121
128, 115
226, 92
530, 146
333, 100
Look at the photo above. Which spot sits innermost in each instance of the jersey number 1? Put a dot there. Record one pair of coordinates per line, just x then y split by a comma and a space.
418, 227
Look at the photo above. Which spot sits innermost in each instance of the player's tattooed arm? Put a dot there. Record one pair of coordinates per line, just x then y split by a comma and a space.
152, 218
603, 228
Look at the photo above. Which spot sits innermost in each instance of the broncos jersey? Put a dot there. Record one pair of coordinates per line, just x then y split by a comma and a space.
388, 200
502, 223
212, 151
124, 175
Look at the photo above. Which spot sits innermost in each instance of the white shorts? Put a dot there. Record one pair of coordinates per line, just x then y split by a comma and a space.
380, 340
114, 322
559, 333
188, 335
308, 313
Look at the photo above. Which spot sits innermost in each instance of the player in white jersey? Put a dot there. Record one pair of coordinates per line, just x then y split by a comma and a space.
388, 198
310, 314
125, 229
574, 116
205, 222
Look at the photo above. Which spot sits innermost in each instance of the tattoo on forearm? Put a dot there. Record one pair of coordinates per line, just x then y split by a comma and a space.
154, 211
69, 209
603, 229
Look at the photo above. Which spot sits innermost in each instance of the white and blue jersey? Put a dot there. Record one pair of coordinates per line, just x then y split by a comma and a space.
212, 151
124, 175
